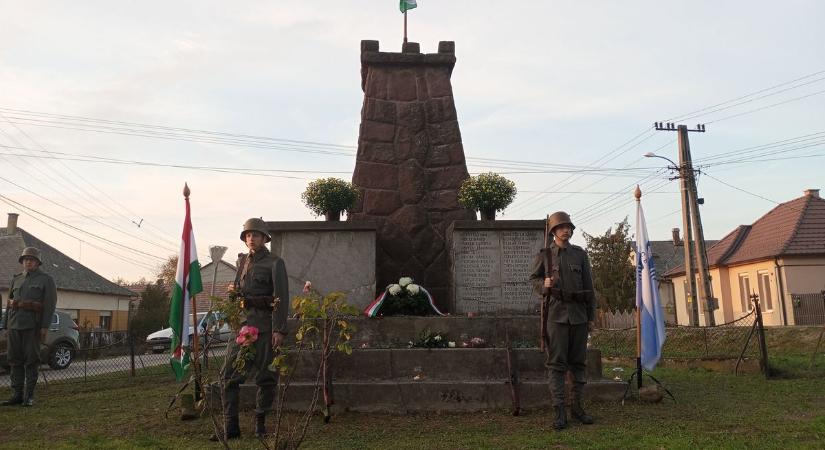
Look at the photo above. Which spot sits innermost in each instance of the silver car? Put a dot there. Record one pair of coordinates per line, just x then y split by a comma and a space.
62, 342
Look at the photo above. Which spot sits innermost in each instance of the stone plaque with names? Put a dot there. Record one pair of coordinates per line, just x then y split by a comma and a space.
491, 264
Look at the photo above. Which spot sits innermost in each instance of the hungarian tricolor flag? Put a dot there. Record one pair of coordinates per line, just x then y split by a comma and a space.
187, 284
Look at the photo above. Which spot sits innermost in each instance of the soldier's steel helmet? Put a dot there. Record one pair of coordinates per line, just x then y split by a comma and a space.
559, 218
31, 252
256, 224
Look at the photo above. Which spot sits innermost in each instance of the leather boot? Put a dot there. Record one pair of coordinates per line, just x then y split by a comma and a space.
579, 414
260, 426
28, 400
560, 422
233, 430
15, 399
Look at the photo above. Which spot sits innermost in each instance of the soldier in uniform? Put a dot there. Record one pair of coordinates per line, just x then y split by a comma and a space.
261, 284
29, 311
571, 308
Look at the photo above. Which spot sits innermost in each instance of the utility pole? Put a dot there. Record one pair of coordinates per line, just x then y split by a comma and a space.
693, 225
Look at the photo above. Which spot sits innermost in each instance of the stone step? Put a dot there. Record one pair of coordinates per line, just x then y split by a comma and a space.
398, 331
402, 397
451, 364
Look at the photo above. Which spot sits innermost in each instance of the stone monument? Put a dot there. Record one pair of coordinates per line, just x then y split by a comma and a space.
410, 163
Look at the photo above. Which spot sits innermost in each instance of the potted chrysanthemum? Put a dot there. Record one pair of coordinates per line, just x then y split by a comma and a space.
487, 192
329, 197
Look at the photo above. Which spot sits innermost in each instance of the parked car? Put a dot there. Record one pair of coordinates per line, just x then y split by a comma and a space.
62, 342
218, 330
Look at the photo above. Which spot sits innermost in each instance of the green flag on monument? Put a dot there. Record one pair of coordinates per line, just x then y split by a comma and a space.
405, 5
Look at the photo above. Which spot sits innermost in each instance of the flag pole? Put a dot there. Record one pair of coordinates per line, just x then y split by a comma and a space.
638, 195
195, 340
405, 27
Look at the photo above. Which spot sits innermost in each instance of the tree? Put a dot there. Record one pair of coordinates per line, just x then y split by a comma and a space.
168, 270
614, 275
152, 313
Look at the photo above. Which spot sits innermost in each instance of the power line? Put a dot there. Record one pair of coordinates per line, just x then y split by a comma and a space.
20, 205
750, 193
693, 114
108, 252
766, 107
239, 171
85, 216
178, 129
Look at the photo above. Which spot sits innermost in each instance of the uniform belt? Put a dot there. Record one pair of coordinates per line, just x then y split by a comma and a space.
567, 296
263, 302
28, 305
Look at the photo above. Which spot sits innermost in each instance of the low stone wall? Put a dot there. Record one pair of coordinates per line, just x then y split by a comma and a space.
334, 256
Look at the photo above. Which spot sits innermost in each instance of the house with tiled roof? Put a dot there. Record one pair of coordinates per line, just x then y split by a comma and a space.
93, 301
778, 257
666, 256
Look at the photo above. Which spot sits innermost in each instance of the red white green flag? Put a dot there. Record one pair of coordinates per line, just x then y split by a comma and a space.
187, 285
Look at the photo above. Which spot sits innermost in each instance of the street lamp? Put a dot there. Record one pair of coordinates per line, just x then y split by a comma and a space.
653, 155
216, 252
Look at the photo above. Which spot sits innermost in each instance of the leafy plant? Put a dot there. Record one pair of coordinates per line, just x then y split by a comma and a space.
329, 195
430, 339
487, 191
323, 325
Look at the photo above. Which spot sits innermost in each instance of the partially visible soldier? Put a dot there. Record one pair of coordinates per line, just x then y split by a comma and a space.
571, 308
32, 299
261, 283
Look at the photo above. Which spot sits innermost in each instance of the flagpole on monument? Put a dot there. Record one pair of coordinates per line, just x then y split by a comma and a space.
405, 27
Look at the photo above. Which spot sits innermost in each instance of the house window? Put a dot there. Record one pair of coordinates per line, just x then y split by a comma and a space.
745, 292
105, 320
765, 291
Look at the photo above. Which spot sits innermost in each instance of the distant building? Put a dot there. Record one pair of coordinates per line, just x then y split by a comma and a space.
780, 257
90, 299
666, 256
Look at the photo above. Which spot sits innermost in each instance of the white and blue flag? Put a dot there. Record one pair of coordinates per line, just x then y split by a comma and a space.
651, 318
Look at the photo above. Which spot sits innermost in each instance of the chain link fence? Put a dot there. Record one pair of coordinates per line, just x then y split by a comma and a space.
113, 355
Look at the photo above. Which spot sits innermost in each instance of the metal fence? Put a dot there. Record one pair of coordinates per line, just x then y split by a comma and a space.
809, 309
112, 355
742, 338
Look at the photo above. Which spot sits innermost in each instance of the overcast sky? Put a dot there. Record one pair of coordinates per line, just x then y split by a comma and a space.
540, 82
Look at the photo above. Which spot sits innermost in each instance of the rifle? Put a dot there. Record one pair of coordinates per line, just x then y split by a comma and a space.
545, 292
511, 368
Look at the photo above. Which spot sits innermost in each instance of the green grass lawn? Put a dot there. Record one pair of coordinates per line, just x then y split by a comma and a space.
713, 410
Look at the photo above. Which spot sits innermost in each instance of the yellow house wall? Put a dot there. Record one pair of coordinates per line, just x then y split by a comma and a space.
89, 306
771, 316
799, 275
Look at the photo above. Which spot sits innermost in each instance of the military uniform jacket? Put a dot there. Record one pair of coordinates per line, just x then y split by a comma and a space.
572, 276
264, 274
34, 286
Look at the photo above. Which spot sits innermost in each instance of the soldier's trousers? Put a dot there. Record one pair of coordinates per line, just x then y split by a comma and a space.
566, 350
24, 360
266, 380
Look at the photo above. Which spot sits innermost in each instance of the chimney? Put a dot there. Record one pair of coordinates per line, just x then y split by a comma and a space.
11, 228
812, 193
677, 241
